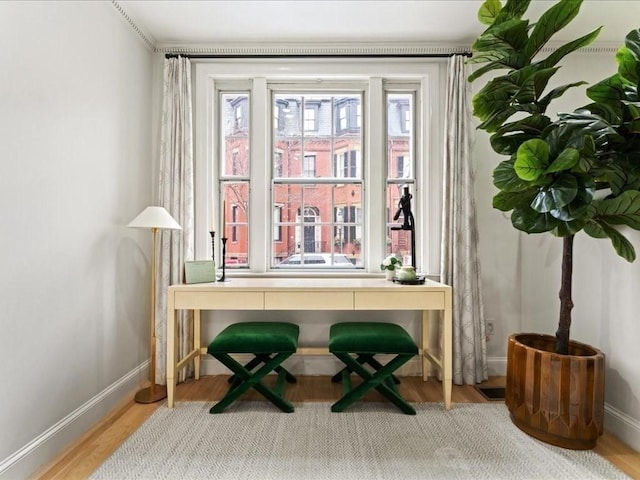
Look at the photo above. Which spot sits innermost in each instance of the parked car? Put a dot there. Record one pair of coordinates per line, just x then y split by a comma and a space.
313, 260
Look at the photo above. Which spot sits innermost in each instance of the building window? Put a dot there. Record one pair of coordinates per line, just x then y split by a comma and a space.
320, 189
406, 120
342, 118
238, 115
234, 223
347, 164
310, 119
277, 223
277, 164
309, 166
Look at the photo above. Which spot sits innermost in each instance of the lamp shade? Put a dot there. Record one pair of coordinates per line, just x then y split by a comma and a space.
155, 217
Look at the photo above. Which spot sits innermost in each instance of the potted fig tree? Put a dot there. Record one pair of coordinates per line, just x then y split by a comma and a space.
579, 172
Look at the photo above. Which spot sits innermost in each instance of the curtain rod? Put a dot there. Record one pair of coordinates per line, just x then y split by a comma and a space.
357, 55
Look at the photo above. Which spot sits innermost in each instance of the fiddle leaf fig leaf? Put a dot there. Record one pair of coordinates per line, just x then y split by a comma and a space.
489, 11
562, 51
507, 37
530, 221
622, 246
621, 210
579, 209
510, 136
513, 9
505, 178
532, 159
632, 42
609, 91
564, 229
507, 201
567, 159
594, 230
508, 144
556, 93
533, 124
621, 179
627, 64
560, 193
553, 20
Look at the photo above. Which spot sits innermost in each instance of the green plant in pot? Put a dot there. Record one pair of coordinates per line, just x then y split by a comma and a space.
577, 173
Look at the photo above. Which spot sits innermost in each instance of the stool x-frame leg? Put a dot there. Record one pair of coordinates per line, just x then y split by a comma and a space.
243, 379
381, 379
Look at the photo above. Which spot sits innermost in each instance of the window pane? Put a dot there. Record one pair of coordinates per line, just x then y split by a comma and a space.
320, 219
236, 225
235, 134
306, 125
399, 135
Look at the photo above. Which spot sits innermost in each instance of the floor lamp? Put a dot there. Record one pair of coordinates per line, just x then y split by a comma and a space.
155, 218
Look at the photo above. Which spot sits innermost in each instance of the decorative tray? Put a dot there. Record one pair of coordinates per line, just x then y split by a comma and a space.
419, 280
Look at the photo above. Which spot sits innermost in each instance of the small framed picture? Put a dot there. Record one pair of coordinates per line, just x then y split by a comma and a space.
201, 271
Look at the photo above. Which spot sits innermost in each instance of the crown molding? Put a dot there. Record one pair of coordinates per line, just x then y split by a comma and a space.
146, 37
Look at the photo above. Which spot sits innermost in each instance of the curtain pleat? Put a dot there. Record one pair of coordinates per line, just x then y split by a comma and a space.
460, 265
176, 195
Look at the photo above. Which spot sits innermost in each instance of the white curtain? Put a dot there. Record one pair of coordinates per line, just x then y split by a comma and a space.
460, 266
176, 195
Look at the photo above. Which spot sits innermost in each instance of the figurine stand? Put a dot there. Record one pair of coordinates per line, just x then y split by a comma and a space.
224, 254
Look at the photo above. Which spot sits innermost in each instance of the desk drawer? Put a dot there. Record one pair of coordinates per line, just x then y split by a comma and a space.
219, 300
399, 300
311, 300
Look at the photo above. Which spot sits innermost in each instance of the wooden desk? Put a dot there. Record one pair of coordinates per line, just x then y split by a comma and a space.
311, 294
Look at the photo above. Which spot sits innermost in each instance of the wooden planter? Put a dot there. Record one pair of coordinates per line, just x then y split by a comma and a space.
558, 399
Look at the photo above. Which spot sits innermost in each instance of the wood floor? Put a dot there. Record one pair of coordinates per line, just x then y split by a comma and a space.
85, 456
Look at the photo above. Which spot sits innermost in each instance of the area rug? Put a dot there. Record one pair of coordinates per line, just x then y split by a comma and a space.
370, 441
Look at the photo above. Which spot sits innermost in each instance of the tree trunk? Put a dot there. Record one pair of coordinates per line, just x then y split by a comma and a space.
566, 303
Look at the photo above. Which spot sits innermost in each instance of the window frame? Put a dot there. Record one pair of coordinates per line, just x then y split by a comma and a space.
257, 77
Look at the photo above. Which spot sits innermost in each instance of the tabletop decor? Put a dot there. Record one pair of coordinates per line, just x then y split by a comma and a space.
406, 273
389, 266
155, 218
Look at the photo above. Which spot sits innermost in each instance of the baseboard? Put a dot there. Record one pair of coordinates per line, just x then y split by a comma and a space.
27, 460
497, 366
622, 426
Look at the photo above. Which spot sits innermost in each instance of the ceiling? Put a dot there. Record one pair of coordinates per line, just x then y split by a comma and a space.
177, 23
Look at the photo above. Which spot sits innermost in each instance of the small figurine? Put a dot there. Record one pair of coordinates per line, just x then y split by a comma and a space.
404, 208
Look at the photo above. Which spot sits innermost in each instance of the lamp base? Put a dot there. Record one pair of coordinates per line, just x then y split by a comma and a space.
146, 396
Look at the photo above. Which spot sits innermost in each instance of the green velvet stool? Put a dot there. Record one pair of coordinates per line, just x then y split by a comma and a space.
271, 343
356, 344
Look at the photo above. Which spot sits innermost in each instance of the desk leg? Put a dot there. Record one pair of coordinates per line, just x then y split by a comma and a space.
447, 346
171, 351
425, 345
196, 343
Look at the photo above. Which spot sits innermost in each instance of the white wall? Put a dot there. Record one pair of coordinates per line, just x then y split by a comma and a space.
521, 274
75, 137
